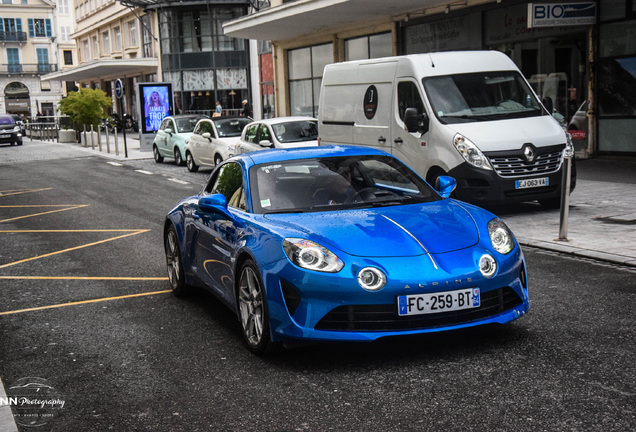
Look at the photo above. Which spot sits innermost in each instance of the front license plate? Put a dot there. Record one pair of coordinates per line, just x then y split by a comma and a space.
530, 183
5, 136
417, 304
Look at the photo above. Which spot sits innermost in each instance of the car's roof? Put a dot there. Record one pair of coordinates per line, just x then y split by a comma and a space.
6, 116
179, 116
277, 120
281, 155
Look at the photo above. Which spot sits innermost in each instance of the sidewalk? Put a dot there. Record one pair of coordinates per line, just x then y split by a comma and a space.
132, 147
601, 220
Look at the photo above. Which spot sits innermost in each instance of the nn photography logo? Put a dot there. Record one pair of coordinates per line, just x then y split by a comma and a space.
33, 401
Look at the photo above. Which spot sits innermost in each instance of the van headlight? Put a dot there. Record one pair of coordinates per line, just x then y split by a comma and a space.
500, 236
569, 145
311, 256
470, 152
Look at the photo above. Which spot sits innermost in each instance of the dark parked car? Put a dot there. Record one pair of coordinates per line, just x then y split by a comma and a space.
10, 131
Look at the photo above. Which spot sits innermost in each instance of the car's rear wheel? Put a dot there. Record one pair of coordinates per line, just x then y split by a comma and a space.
192, 167
252, 309
176, 276
156, 154
177, 157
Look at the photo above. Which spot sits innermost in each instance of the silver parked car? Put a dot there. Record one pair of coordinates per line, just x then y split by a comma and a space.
280, 132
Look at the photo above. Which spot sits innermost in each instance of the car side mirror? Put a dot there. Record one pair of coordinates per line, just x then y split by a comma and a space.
215, 203
415, 122
168, 131
265, 143
445, 185
206, 135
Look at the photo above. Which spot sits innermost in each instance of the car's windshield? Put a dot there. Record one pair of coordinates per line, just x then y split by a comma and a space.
296, 131
232, 127
6, 120
481, 96
335, 183
187, 124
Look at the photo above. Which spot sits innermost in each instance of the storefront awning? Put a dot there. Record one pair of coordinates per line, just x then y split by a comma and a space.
305, 17
96, 70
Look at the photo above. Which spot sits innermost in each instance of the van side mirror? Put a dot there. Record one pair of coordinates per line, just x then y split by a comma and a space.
415, 122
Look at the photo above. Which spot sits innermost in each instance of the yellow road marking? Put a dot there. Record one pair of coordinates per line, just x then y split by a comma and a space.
109, 278
72, 207
135, 232
21, 191
83, 302
69, 231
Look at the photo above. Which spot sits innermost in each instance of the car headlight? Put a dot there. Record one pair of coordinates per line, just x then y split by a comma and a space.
311, 256
371, 279
470, 152
500, 236
16, 129
569, 145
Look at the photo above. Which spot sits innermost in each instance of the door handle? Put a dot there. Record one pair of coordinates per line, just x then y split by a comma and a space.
382, 140
398, 141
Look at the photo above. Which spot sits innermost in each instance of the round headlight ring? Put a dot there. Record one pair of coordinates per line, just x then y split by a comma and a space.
371, 279
487, 266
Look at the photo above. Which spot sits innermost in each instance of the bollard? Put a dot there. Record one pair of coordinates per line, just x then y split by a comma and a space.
92, 141
565, 198
116, 143
107, 141
84, 140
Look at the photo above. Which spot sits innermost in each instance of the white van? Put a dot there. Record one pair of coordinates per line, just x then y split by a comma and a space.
467, 114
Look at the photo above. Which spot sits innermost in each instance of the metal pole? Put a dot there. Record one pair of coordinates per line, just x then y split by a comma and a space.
107, 140
84, 140
92, 142
116, 142
565, 198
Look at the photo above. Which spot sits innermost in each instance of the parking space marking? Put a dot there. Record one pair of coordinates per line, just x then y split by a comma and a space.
129, 233
86, 278
21, 191
65, 208
83, 302
183, 182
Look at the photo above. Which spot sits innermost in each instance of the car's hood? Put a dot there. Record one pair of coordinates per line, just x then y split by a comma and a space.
512, 134
409, 230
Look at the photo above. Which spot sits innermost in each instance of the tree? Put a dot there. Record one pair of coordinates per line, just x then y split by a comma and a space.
86, 107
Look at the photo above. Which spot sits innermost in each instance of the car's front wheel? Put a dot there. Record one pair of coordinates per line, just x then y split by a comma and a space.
156, 154
192, 167
217, 159
252, 309
177, 157
176, 276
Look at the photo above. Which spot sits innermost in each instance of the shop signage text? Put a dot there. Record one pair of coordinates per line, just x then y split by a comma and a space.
561, 14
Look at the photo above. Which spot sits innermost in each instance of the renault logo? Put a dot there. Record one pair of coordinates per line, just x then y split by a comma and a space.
529, 152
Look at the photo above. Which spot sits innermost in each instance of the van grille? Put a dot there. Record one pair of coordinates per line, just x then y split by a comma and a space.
515, 165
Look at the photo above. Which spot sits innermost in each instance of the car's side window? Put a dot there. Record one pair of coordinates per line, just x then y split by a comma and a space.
206, 126
228, 180
250, 133
164, 124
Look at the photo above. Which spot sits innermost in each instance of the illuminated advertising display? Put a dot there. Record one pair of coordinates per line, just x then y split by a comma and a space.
155, 104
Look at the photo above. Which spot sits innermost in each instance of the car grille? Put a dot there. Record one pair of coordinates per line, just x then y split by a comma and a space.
516, 166
385, 317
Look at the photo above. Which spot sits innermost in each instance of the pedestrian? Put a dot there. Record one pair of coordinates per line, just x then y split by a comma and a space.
219, 108
247, 109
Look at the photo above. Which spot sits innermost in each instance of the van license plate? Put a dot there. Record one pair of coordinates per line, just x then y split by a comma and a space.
530, 183
417, 304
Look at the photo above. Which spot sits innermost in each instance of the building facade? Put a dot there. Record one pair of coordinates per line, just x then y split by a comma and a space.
30, 49
586, 67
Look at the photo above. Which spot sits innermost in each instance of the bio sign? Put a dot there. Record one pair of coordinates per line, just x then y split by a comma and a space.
561, 14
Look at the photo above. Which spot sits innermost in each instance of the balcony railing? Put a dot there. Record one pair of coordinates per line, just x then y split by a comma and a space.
13, 36
38, 68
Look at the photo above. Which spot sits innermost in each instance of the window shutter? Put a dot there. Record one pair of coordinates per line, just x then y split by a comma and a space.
18, 24
49, 33
1, 25
31, 28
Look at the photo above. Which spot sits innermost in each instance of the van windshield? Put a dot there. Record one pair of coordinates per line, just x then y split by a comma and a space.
481, 96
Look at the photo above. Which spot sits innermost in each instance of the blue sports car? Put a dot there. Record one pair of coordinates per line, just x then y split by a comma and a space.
341, 244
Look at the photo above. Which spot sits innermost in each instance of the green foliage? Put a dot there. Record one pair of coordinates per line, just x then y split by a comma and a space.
86, 107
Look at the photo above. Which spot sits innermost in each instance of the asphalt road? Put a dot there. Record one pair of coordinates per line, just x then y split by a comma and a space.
84, 307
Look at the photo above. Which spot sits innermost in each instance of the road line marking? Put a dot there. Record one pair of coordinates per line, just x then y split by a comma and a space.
21, 191
74, 207
144, 172
117, 164
83, 302
178, 181
69, 231
92, 278
7, 420
73, 248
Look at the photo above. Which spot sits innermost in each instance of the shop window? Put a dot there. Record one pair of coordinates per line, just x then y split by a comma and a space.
618, 39
305, 76
369, 47
617, 87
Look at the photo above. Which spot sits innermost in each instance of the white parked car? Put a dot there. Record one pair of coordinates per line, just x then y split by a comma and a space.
172, 137
280, 132
214, 140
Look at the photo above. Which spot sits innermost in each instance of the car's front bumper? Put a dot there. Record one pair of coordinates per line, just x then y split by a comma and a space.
316, 306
